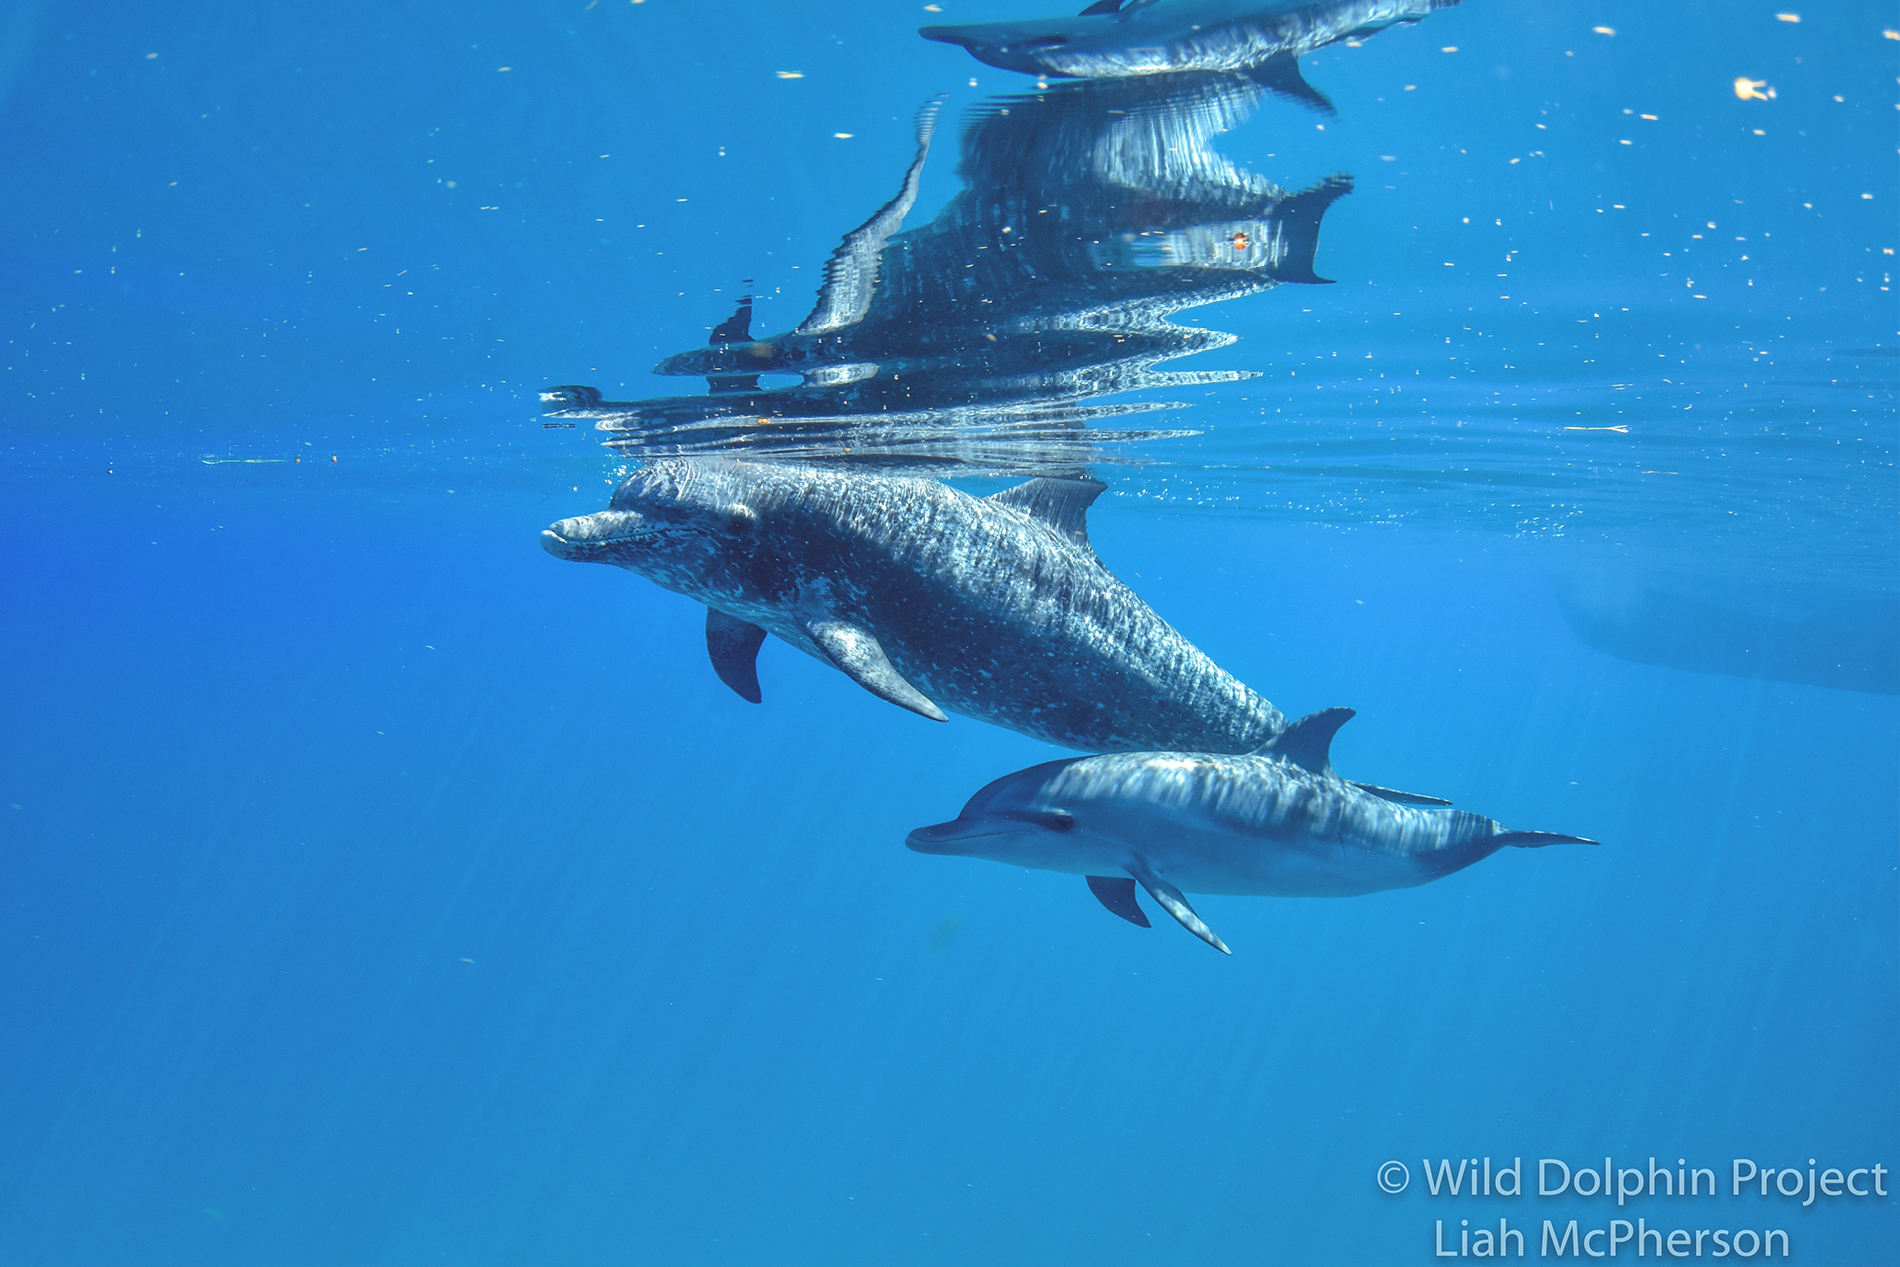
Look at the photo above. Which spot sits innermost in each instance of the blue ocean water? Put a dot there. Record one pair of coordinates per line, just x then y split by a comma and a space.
380, 889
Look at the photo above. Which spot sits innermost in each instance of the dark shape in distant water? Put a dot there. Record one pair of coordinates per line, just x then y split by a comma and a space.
1275, 822
1265, 38
945, 933
932, 599
1846, 639
1092, 212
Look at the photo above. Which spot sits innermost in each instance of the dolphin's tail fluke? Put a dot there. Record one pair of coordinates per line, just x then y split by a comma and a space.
1538, 839
851, 272
1299, 218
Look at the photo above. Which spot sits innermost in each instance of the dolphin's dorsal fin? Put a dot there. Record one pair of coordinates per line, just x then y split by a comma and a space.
1117, 893
1299, 218
1281, 73
856, 652
1308, 742
1400, 798
1095, 10
733, 645
738, 327
1062, 504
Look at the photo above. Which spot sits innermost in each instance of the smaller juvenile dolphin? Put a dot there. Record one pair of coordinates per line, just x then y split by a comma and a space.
1277, 821
1264, 38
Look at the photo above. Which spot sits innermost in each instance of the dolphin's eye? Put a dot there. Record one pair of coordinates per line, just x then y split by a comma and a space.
1055, 820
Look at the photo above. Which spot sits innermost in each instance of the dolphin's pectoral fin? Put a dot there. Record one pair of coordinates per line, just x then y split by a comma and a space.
1062, 504
1401, 798
857, 654
1282, 75
1117, 893
1174, 903
1308, 742
733, 645
1538, 839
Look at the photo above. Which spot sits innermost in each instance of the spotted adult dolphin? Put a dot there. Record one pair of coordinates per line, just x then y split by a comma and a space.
993, 607
1278, 821
1109, 39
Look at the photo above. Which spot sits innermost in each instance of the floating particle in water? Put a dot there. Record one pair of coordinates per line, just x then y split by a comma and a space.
1752, 89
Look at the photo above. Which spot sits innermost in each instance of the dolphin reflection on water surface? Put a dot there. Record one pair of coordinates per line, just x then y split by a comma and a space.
1091, 213
1114, 38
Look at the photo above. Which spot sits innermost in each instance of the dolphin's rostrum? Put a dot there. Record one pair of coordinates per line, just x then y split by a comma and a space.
1278, 821
993, 607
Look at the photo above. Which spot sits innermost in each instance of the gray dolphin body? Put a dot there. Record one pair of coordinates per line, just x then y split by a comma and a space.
1278, 822
930, 598
1148, 37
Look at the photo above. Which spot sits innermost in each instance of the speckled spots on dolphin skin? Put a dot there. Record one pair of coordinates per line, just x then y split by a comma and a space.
996, 608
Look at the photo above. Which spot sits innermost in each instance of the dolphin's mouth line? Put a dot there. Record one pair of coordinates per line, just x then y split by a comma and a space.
584, 542
560, 543
956, 831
